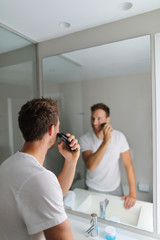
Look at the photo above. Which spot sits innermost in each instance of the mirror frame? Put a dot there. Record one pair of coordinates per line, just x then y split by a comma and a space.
156, 128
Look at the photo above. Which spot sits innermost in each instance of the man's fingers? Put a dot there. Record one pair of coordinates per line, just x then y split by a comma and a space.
129, 202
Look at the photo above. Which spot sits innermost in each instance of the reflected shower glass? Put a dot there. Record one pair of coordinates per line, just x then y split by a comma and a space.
17, 85
62, 81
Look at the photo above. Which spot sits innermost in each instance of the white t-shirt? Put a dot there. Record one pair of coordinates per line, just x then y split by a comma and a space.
106, 177
31, 199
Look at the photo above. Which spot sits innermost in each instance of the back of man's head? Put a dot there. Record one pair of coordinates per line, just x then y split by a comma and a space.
101, 106
36, 116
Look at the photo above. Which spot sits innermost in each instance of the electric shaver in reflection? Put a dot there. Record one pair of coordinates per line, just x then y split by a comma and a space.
102, 125
64, 138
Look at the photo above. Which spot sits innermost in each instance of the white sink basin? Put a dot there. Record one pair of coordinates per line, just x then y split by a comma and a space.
79, 236
115, 209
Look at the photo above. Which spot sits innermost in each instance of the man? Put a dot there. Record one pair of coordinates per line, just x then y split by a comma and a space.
101, 150
31, 202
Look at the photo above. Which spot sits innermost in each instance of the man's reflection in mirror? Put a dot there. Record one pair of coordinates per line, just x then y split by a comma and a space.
101, 150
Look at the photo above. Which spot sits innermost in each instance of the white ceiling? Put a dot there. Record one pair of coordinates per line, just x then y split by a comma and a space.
39, 20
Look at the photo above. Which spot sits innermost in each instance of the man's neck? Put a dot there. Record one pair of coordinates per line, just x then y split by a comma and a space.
99, 135
37, 149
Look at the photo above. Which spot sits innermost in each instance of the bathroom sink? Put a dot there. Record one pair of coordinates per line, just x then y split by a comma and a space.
115, 210
79, 236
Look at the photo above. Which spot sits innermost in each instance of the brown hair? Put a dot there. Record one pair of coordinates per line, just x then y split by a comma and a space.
101, 106
36, 116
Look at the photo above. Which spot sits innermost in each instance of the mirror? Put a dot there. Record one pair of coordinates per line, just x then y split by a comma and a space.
119, 75
17, 85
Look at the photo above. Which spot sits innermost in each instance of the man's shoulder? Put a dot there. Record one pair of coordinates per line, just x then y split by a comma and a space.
86, 141
120, 138
117, 133
38, 181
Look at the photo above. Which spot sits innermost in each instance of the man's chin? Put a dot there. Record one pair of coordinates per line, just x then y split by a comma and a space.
96, 130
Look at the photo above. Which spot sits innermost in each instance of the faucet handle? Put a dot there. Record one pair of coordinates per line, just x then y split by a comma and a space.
93, 215
103, 205
93, 218
106, 201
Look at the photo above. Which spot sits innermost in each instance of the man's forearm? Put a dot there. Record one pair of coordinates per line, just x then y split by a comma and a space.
131, 180
95, 158
66, 176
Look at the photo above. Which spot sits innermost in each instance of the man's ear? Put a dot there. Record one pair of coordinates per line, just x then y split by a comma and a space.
51, 130
108, 119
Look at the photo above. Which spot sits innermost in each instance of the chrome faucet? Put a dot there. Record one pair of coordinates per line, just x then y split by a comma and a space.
93, 229
103, 205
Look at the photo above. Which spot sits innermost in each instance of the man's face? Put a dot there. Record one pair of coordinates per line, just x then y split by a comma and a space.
97, 118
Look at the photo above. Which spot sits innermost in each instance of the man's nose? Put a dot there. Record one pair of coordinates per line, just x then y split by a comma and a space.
95, 121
